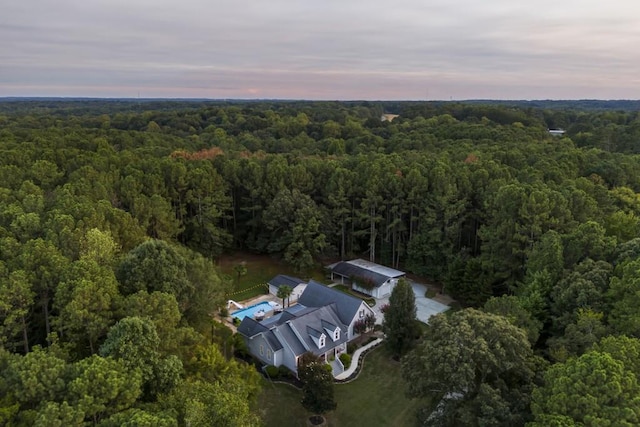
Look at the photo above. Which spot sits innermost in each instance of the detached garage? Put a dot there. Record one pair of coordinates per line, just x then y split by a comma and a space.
367, 277
297, 286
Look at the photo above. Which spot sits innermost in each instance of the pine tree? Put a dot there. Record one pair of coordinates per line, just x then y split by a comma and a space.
400, 318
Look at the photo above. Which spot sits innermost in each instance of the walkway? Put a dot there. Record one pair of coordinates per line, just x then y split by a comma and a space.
355, 359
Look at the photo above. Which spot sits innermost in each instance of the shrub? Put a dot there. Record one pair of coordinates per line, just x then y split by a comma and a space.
224, 312
351, 348
236, 321
345, 359
284, 372
272, 371
430, 293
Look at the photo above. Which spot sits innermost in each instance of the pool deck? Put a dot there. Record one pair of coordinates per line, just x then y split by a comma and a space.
248, 303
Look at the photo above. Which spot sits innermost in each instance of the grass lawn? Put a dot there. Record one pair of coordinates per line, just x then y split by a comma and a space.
376, 398
260, 269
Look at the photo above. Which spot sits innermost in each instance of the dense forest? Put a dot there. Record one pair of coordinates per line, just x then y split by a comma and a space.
113, 213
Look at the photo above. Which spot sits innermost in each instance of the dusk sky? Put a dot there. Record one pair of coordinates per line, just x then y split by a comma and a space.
323, 49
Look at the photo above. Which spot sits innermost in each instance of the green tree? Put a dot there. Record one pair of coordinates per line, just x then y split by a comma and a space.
399, 323
477, 369
16, 300
216, 404
624, 296
102, 386
512, 309
154, 266
135, 417
241, 270
592, 390
284, 292
294, 224
135, 342
317, 391
99, 246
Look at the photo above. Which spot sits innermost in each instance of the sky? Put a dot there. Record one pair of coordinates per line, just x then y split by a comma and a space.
321, 49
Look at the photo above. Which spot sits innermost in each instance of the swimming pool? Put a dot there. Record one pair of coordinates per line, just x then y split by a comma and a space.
252, 310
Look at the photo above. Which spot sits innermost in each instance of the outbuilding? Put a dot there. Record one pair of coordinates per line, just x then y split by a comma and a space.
366, 277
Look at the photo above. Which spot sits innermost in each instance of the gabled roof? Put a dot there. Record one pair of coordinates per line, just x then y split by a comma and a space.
318, 295
282, 279
310, 325
314, 332
370, 271
297, 327
250, 328
289, 337
328, 326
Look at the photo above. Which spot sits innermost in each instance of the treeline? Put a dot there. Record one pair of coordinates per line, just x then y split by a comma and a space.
478, 197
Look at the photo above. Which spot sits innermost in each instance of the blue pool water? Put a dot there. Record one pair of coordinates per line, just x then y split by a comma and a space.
250, 311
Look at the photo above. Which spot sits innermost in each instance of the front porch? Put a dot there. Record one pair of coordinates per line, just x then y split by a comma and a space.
332, 358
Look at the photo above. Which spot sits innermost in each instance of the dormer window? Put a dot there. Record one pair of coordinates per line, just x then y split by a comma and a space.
336, 335
321, 341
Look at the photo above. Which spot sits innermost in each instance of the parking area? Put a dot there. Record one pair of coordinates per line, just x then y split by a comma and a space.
425, 307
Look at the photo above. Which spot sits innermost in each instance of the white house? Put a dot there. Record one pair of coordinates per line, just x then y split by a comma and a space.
297, 286
366, 276
321, 323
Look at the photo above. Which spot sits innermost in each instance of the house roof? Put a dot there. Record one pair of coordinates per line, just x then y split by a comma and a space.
310, 325
297, 328
289, 336
375, 273
282, 279
249, 327
318, 295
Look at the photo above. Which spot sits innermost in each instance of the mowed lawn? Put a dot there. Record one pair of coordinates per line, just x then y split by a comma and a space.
260, 269
375, 399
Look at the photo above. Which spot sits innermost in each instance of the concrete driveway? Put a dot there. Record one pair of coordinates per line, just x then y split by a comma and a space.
425, 307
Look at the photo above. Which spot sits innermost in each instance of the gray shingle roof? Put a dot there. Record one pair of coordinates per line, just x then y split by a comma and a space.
291, 339
273, 341
310, 324
282, 279
295, 328
249, 327
328, 326
313, 332
356, 272
318, 295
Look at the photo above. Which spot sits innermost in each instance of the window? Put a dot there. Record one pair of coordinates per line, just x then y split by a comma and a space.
362, 313
336, 335
261, 350
268, 354
321, 341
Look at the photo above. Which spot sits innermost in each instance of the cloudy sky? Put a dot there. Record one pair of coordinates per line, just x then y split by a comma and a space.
321, 49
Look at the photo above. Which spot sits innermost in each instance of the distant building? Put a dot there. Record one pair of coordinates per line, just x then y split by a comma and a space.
556, 132
388, 117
